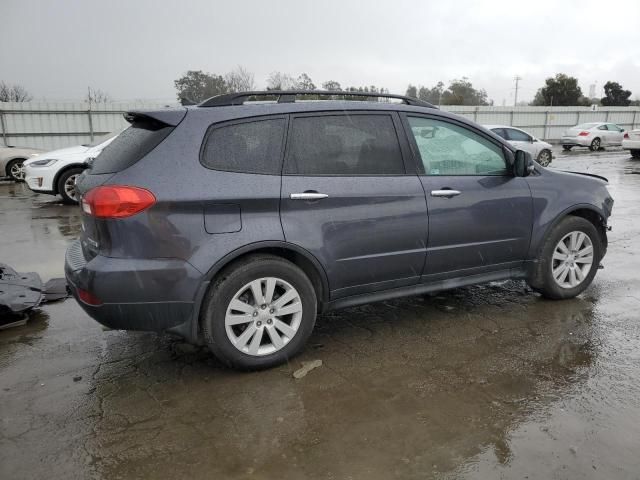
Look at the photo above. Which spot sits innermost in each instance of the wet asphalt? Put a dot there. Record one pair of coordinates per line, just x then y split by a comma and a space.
483, 382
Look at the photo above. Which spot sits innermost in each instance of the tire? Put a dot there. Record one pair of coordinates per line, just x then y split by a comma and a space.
68, 176
595, 145
222, 337
543, 281
544, 157
566, 148
15, 170
635, 153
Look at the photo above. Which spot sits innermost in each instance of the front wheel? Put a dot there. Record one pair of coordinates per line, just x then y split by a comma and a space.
595, 145
15, 168
259, 313
67, 185
544, 158
566, 148
568, 260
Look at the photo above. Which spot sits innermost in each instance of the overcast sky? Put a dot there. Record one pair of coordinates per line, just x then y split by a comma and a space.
135, 49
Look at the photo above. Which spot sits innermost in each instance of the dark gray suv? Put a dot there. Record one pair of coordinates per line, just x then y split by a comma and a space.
234, 222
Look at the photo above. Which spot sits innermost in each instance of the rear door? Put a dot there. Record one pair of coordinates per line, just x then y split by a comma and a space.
480, 215
349, 199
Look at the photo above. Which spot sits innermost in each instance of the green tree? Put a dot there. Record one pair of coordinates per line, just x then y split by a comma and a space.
615, 95
331, 85
561, 90
461, 92
412, 91
197, 86
304, 82
432, 95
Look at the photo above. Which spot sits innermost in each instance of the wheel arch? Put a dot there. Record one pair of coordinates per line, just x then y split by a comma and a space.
59, 173
8, 162
300, 257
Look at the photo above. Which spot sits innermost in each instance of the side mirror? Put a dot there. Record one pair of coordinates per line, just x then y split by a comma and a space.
533, 140
523, 164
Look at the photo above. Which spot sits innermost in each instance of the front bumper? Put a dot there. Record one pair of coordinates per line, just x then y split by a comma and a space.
39, 180
135, 294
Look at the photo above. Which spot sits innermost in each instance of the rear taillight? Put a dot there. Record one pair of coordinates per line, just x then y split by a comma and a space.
626, 136
583, 134
116, 201
89, 298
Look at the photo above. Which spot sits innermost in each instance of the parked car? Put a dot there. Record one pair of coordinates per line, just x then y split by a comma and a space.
12, 159
594, 135
55, 172
631, 141
233, 225
538, 149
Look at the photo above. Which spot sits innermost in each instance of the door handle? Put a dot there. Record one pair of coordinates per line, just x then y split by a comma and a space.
445, 193
308, 196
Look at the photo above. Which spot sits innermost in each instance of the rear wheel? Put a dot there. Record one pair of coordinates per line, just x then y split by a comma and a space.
259, 313
569, 259
15, 168
544, 158
635, 153
67, 185
595, 145
566, 148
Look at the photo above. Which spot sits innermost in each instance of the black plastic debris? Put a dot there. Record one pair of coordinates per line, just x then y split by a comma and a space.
20, 292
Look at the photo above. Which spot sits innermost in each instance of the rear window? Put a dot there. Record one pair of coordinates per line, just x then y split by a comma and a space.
130, 146
247, 147
344, 145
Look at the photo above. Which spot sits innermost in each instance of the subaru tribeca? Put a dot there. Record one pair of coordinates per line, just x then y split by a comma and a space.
235, 222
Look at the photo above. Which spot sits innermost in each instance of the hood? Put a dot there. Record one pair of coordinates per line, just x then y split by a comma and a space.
77, 152
605, 179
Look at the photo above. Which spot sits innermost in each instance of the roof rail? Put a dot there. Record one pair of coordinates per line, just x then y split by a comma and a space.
289, 96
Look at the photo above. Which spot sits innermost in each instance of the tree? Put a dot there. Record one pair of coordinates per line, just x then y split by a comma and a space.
14, 93
280, 81
197, 86
240, 80
560, 90
461, 92
331, 85
97, 96
615, 96
304, 82
432, 95
412, 91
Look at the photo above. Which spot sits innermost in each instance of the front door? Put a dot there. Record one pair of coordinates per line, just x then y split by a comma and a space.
347, 198
480, 215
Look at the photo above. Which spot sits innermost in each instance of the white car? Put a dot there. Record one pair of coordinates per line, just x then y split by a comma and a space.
55, 172
631, 141
594, 135
12, 159
539, 150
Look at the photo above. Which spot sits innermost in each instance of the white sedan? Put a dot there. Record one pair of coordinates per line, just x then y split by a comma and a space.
56, 172
539, 150
631, 141
594, 135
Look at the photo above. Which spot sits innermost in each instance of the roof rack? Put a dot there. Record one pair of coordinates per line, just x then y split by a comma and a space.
289, 96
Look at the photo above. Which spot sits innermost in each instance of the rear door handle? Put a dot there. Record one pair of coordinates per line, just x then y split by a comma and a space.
308, 196
445, 193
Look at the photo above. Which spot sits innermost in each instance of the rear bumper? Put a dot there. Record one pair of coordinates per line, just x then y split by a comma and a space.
631, 144
576, 141
135, 294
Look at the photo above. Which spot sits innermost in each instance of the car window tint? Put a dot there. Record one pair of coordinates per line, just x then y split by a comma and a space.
248, 147
517, 135
613, 128
449, 149
344, 145
602, 127
500, 132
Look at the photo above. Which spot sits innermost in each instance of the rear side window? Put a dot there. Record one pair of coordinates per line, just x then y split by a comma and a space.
248, 147
517, 135
130, 146
344, 145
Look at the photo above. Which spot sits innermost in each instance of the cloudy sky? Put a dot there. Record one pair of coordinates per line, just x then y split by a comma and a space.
134, 49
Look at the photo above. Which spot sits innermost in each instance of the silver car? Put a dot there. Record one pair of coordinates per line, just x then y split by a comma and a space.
593, 135
12, 158
539, 150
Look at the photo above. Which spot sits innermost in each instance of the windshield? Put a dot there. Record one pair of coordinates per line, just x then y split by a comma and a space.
587, 126
103, 138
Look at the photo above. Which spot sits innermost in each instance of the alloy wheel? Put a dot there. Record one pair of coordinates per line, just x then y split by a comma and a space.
263, 316
572, 259
17, 170
70, 187
544, 158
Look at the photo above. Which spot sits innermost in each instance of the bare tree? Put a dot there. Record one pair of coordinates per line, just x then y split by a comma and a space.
331, 85
240, 80
280, 81
14, 93
97, 96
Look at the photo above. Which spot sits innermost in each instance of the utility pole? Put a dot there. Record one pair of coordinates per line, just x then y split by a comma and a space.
517, 78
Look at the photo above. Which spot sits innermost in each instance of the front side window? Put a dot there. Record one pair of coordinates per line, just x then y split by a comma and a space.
357, 144
517, 135
449, 149
247, 147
